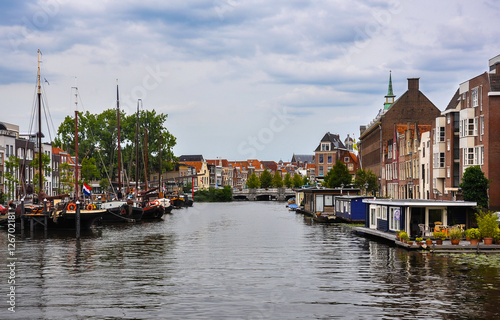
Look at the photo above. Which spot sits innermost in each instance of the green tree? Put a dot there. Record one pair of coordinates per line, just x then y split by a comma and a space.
366, 176
45, 169
188, 187
288, 180
297, 180
89, 169
337, 176
305, 181
11, 166
475, 186
253, 182
104, 184
97, 137
277, 180
66, 178
266, 179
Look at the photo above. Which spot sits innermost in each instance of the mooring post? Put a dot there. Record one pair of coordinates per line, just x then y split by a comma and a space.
77, 219
22, 214
45, 214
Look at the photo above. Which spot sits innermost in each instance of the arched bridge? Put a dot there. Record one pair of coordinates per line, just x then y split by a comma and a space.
279, 194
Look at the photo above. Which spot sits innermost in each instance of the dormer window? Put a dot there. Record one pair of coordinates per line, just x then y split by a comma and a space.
325, 146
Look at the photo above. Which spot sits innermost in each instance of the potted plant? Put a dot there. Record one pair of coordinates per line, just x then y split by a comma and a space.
419, 241
439, 236
404, 236
473, 235
488, 226
455, 235
428, 241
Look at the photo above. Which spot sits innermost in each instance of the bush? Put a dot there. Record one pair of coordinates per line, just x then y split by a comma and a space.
213, 195
487, 223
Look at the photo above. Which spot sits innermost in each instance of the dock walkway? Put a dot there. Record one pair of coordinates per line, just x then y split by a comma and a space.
463, 247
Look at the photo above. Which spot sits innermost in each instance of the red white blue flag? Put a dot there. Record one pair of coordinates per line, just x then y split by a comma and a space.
86, 189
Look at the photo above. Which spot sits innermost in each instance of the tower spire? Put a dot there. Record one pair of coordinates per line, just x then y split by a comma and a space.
389, 98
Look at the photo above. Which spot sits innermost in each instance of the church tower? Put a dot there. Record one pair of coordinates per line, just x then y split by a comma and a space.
389, 98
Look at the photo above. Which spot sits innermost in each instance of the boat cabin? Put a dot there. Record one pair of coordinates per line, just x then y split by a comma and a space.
322, 200
351, 208
415, 216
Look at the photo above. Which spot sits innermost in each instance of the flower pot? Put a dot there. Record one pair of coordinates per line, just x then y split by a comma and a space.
488, 241
410, 243
428, 242
420, 243
474, 242
455, 242
439, 241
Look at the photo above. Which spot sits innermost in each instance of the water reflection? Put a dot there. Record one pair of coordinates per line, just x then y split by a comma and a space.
243, 261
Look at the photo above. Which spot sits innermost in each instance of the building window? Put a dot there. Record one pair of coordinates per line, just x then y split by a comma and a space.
329, 159
439, 160
389, 152
325, 146
320, 158
320, 171
482, 126
440, 137
468, 156
475, 97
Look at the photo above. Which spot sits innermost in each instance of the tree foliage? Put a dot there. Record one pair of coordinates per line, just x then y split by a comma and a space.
266, 179
253, 182
366, 176
297, 180
11, 166
288, 180
214, 195
89, 169
45, 169
475, 186
98, 138
337, 176
277, 180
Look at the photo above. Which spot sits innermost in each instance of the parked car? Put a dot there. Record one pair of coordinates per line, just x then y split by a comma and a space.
4, 209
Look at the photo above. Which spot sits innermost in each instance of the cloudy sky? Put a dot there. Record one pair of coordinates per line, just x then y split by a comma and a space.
241, 79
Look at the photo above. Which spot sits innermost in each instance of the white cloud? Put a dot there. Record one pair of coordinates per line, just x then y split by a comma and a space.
221, 68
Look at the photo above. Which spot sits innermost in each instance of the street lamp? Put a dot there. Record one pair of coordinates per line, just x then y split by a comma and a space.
341, 187
366, 188
410, 189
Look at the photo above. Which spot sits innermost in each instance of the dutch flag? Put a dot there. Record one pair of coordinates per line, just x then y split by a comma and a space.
86, 189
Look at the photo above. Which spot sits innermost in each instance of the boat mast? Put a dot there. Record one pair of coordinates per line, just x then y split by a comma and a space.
39, 98
137, 153
76, 143
160, 189
146, 158
119, 147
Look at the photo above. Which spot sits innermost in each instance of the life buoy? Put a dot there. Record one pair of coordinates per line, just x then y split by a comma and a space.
90, 207
71, 207
123, 211
156, 203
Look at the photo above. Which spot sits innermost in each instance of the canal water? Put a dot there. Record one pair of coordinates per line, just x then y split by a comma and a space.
240, 260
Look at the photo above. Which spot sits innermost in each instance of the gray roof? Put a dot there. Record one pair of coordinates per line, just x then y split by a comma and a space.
309, 158
334, 139
191, 157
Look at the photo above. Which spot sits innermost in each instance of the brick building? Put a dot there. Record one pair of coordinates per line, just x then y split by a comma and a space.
413, 106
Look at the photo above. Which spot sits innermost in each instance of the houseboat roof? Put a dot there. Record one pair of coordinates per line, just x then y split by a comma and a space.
420, 202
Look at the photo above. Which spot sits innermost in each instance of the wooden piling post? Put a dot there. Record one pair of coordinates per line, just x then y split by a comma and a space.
78, 219
45, 214
22, 215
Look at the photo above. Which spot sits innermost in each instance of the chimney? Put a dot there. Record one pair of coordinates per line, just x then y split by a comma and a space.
413, 83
